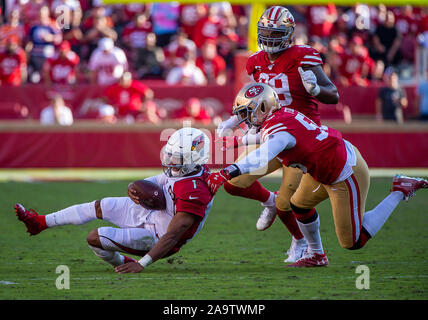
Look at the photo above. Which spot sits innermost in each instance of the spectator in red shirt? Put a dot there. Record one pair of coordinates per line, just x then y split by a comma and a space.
321, 20
209, 27
134, 35
61, 69
212, 65
128, 96
407, 22
13, 64
423, 23
193, 111
355, 64
30, 10
178, 49
99, 28
12, 29
190, 14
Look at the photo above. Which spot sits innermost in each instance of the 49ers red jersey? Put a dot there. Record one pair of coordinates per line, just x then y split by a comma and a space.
283, 76
319, 150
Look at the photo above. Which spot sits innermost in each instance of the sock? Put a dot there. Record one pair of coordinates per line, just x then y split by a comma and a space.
77, 214
362, 240
112, 257
255, 192
374, 220
311, 231
290, 222
270, 201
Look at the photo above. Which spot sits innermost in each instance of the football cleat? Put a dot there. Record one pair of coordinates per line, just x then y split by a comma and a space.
34, 222
297, 249
408, 185
311, 260
267, 217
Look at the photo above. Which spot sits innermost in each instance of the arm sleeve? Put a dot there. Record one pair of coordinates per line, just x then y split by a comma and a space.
225, 128
260, 157
251, 138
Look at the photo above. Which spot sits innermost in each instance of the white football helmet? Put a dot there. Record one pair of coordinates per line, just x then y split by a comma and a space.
186, 151
275, 29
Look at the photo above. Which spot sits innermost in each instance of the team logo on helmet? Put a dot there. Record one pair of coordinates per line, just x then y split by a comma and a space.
254, 91
198, 143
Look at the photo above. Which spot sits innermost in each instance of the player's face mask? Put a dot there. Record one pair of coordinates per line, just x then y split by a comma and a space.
272, 41
186, 151
174, 165
275, 29
254, 103
248, 114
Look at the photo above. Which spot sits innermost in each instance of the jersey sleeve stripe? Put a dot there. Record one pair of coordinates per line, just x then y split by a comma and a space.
267, 135
310, 62
273, 127
268, 131
278, 130
312, 57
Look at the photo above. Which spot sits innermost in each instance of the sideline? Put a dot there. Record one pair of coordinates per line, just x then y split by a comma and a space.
108, 174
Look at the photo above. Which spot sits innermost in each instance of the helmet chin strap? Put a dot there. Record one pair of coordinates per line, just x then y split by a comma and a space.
180, 173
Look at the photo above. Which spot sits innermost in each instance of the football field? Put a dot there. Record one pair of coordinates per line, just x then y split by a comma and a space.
228, 259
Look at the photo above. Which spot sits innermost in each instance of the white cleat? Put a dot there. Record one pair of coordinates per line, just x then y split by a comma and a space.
268, 215
297, 250
266, 219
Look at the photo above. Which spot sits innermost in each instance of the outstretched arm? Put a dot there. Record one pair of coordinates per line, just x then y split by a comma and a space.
259, 158
254, 161
179, 224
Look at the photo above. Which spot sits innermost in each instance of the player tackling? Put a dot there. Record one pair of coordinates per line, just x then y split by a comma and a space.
333, 168
152, 234
295, 73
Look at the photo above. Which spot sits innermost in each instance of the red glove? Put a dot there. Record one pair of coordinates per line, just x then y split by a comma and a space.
229, 142
217, 179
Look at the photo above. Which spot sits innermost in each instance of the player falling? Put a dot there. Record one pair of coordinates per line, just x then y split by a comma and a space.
295, 73
333, 169
152, 234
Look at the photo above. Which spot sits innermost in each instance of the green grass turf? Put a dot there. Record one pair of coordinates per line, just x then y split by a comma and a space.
228, 259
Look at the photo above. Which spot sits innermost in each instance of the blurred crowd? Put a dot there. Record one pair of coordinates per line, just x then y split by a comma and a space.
84, 41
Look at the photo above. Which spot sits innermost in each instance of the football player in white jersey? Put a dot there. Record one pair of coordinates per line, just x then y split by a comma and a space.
152, 234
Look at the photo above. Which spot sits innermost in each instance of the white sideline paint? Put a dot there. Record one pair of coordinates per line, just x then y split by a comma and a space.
106, 174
